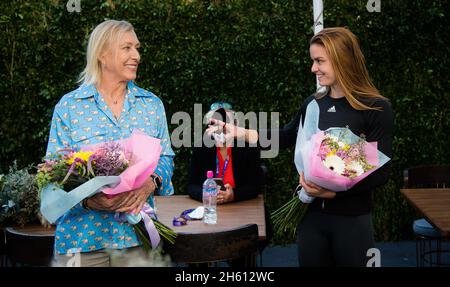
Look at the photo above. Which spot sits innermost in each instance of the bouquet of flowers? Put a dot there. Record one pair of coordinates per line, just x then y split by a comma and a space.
110, 167
335, 159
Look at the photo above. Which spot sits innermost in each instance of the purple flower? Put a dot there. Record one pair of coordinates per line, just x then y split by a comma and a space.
110, 159
341, 154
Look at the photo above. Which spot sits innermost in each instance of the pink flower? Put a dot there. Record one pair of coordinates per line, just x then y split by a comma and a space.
348, 160
354, 152
47, 166
324, 149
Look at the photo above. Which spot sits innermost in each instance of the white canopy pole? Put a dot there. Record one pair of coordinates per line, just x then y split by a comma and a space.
318, 23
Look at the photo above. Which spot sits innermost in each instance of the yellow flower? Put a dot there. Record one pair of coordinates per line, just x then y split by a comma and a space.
332, 152
84, 155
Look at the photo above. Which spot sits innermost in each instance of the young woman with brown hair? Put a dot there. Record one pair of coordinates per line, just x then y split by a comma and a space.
337, 228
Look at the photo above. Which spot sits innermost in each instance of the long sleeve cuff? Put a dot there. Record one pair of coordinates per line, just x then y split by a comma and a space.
165, 171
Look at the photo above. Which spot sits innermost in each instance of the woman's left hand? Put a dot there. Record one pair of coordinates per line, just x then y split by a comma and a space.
225, 196
136, 203
313, 189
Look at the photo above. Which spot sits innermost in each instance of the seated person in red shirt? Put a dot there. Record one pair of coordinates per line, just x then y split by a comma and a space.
238, 167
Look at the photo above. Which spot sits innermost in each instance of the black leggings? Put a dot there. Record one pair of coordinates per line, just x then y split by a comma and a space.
334, 240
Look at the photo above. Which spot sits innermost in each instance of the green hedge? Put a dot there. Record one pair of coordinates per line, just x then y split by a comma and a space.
253, 53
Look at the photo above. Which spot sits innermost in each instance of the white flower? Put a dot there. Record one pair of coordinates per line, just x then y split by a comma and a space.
333, 138
357, 167
335, 163
122, 157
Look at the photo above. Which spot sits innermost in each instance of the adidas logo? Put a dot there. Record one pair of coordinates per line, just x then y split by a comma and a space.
332, 110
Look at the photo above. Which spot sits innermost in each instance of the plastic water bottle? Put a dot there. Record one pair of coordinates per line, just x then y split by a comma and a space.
210, 199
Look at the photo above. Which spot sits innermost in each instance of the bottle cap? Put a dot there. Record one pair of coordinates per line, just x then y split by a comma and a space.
209, 174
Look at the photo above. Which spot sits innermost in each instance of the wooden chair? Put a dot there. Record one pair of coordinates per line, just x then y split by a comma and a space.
428, 239
262, 244
2, 247
28, 249
232, 244
265, 175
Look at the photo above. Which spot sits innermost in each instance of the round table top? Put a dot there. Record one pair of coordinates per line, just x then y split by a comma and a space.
33, 229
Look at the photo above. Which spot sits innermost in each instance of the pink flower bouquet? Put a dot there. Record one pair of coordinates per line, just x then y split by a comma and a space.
337, 159
112, 168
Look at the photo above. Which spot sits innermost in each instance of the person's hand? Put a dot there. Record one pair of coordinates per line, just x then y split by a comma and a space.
225, 196
313, 189
231, 131
123, 202
101, 202
138, 197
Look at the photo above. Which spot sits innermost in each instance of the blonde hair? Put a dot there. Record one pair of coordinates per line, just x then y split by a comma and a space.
100, 39
348, 63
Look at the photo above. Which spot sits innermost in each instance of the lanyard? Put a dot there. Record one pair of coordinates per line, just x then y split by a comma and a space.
225, 165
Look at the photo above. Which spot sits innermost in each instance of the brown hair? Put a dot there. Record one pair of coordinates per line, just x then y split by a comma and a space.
348, 63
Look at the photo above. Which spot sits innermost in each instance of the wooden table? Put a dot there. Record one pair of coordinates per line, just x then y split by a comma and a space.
434, 204
229, 216
31, 245
33, 230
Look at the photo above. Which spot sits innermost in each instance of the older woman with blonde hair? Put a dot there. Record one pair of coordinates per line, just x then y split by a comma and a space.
337, 228
108, 106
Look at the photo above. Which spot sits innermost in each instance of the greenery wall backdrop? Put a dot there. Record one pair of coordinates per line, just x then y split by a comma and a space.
253, 53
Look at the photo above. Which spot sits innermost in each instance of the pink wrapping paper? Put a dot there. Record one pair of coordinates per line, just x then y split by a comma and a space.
145, 152
318, 173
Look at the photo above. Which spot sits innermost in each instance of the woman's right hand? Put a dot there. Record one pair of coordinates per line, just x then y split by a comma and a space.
101, 202
232, 131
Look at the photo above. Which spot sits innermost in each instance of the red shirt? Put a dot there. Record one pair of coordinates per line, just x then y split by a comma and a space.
228, 178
